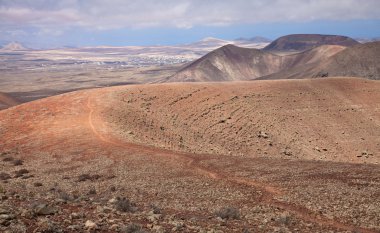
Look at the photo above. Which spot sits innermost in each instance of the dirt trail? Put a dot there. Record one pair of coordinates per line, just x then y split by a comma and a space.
194, 162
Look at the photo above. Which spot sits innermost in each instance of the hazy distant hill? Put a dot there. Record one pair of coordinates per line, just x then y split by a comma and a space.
256, 39
302, 42
13, 46
209, 42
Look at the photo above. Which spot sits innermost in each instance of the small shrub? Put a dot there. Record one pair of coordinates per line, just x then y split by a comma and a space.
156, 209
92, 191
228, 213
4, 176
2, 189
132, 228
284, 219
85, 177
113, 189
124, 205
95, 177
21, 172
64, 195
17, 162
27, 177
110, 177
8, 159
37, 184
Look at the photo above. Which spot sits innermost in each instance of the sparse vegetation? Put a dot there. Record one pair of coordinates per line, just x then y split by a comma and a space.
85, 177
4, 176
8, 159
37, 184
284, 219
124, 205
64, 195
17, 162
228, 213
21, 172
156, 209
92, 191
133, 228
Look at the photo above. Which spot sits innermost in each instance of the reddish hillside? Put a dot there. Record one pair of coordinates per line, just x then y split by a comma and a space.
266, 156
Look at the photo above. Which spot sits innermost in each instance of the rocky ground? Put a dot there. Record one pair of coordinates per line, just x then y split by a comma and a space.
66, 168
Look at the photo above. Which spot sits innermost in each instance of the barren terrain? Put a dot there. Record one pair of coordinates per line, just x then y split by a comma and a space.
232, 63
263, 156
34, 74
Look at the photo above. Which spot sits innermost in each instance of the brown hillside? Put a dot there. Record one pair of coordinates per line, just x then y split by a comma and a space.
228, 63
263, 156
302, 42
361, 61
298, 116
231, 63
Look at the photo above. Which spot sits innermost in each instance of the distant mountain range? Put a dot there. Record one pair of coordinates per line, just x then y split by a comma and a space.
317, 56
210, 42
255, 39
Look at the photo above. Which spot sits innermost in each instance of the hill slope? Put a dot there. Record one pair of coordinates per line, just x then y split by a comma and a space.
302, 42
272, 154
226, 117
362, 60
230, 63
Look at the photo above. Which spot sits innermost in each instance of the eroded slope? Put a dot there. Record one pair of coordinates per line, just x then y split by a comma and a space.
80, 149
334, 119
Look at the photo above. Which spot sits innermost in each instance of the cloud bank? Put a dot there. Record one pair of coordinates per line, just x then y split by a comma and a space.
52, 23
114, 14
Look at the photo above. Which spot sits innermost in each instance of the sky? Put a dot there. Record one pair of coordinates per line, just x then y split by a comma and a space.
59, 23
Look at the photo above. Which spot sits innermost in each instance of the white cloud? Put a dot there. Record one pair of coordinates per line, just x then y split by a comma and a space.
111, 14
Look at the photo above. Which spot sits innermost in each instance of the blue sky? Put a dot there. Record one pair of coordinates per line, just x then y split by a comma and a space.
48, 23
